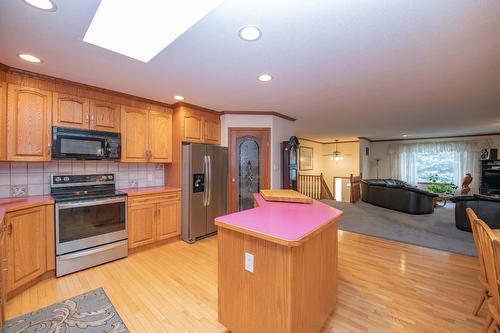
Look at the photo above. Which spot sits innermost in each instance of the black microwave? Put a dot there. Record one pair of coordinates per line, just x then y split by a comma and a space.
85, 145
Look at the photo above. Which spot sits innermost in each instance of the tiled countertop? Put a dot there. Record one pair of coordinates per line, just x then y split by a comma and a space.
282, 222
12, 204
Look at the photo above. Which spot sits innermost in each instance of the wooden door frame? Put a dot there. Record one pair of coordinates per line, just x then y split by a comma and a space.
233, 132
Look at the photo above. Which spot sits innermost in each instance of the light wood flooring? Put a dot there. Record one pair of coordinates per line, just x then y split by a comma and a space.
384, 286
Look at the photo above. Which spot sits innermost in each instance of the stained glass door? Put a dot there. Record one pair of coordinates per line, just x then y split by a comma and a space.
249, 156
249, 150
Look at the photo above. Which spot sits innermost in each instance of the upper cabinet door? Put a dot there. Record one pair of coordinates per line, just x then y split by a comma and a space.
160, 136
71, 111
193, 128
28, 124
3, 121
134, 130
104, 116
211, 130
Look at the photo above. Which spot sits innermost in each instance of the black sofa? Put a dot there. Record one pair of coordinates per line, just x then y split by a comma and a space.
397, 195
486, 207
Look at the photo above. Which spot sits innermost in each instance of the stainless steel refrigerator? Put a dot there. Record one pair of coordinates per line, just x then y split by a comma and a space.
204, 189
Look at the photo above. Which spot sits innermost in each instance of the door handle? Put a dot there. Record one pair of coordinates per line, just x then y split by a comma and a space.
209, 196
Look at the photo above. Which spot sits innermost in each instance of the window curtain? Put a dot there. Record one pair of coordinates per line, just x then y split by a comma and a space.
403, 160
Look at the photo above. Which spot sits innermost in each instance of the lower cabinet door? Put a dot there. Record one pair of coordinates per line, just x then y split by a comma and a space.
26, 246
168, 219
141, 225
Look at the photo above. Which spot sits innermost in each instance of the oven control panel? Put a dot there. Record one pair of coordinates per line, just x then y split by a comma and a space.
65, 180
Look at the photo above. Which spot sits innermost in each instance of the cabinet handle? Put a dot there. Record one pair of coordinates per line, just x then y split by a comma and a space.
86, 118
8, 228
49, 149
92, 118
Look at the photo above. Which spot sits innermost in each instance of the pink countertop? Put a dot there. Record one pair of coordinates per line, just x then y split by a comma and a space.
10, 204
149, 190
281, 221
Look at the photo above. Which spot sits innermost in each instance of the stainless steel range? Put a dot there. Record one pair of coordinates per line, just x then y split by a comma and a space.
90, 221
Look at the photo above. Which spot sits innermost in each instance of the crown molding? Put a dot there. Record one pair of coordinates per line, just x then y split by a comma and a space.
329, 142
437, 137
260, 113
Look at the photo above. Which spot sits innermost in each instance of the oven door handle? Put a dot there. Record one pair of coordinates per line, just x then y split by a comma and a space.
90, 203
91, 251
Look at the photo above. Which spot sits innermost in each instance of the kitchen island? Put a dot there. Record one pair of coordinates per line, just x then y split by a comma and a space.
277, 267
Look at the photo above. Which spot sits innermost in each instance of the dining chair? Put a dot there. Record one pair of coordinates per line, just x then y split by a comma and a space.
486, 240
482, 273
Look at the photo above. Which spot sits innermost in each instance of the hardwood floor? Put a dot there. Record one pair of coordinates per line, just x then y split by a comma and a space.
384, 286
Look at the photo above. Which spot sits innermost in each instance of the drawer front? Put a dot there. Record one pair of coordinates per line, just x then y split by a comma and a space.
153, 198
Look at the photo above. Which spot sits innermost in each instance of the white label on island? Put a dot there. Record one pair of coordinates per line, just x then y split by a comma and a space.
249, 262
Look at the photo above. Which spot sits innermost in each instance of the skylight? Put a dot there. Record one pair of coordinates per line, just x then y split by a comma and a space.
141, 29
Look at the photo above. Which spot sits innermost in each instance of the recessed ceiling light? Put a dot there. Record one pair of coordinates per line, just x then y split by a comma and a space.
178, 98
250, 33
142, 29
47, 5
265, 78
29, 58
405, 135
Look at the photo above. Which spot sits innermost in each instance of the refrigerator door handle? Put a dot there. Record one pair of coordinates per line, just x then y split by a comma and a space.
209, 196
205, 172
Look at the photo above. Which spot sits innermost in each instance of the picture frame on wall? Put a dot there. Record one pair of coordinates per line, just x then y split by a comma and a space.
306, 155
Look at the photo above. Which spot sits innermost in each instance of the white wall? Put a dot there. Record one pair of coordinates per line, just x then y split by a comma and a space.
364, 158
381, 150
317, 157
281, 130
344, 168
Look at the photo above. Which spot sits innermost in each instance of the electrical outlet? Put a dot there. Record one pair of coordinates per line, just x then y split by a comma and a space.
249, 262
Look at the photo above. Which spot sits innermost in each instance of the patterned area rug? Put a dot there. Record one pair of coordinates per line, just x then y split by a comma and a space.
89, 312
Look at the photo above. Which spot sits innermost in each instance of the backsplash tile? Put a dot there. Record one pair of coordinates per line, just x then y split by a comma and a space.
21, 179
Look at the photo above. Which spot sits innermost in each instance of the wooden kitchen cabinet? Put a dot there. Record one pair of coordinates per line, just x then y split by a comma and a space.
146, 135
3, 121
26, 246
78, 112
141, 224
153, 218
200, 126
160, 137
28, 124
134, 129
70, 111
104, 116
167, 221
211, 130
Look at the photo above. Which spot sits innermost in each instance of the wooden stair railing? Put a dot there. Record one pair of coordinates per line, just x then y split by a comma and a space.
314, 186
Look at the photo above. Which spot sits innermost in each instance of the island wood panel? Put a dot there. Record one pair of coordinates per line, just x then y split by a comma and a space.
134, 128
292, 289
28, 124
3, 276
160, 136
3, 121
105, 116
70, 111
384, 286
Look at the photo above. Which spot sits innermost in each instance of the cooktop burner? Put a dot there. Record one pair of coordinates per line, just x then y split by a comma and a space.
83, 187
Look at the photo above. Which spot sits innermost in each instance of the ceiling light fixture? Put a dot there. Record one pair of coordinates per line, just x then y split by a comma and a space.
405, 135
265, 78
29, 57
46, 5
250, 33
141, 31
178, 98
